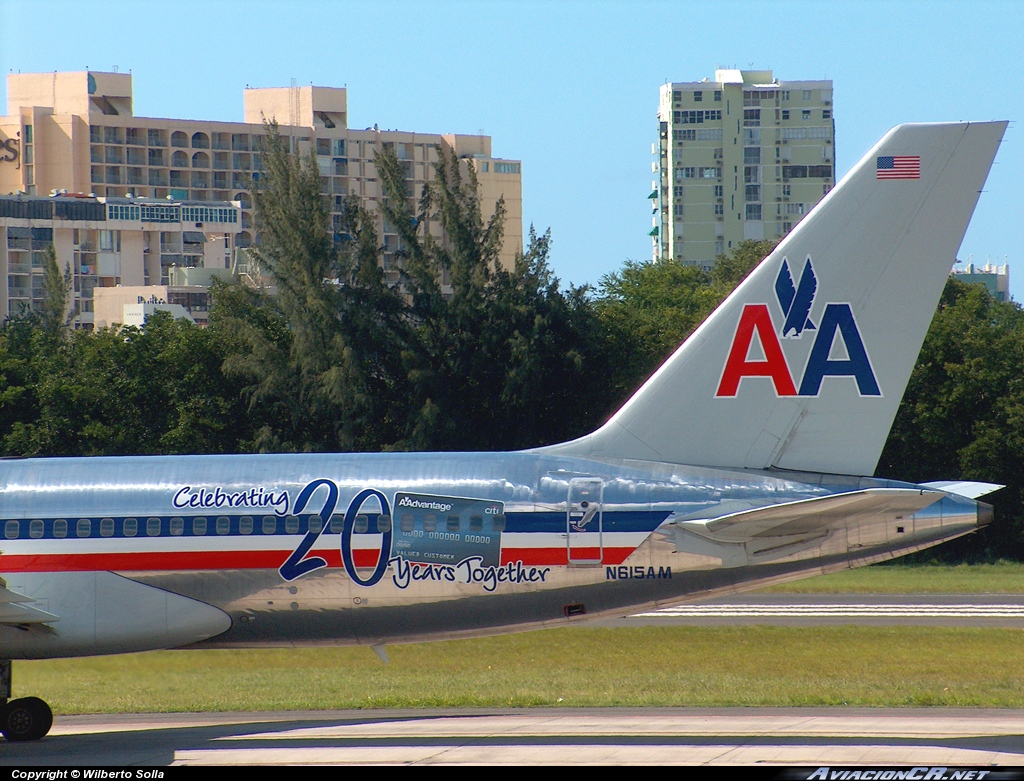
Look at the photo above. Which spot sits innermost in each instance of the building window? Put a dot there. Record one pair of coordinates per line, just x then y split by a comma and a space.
719, 208
752, 192
826, 113
751, 117
677, 191
710, 172
718, 191
750, 175
677, 96
806, 94
805, 114
751, 155
677, 210
785, 114
698, 96
506, 168
718, 96
753, 211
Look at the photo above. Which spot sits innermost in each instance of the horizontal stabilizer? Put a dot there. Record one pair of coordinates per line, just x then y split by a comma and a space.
965, 488
814, 516
15, 611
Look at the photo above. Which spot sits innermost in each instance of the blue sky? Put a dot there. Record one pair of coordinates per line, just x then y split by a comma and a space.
570, 88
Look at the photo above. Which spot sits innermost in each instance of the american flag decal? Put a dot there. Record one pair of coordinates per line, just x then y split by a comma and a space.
898, 167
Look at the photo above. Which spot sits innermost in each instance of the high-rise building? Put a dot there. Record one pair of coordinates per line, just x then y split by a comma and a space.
742, 157
995, 278
77, 132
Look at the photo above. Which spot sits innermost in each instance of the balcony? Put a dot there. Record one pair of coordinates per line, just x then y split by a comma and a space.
157, 177
136, 157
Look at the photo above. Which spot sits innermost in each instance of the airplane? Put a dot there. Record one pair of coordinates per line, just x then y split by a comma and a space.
742, 461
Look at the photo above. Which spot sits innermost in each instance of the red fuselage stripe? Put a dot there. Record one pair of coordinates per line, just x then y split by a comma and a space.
214, 560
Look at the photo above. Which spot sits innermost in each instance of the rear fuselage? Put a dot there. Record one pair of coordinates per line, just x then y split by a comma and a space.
376, 548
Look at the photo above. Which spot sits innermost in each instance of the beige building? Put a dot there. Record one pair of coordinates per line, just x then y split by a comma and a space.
744, 156
116, 244
77, 132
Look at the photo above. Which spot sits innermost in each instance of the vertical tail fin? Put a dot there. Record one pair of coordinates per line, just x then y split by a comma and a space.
803, 366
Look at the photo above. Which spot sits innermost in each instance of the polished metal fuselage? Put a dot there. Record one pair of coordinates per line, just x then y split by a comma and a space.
383, 548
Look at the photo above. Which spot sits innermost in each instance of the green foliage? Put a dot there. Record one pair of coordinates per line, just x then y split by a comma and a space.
649, 308
135, 391
962, 416
57, 311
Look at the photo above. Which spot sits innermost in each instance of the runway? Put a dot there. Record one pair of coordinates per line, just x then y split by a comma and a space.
651, 736
689, 736
977, 610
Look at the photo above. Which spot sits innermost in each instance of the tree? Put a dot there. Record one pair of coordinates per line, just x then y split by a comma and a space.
57, 311
962, 416
320, 355
649, 308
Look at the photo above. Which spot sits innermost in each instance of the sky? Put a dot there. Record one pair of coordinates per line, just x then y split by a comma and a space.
570, 88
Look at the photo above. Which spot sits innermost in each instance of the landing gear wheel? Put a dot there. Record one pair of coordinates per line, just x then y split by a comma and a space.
27, 718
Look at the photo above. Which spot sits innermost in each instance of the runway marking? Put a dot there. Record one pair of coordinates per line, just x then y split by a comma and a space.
831, 611
730, 753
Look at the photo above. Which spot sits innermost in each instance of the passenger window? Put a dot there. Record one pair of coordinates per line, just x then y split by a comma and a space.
177, 526
245, 525
453, 523
383, 523
337, 524
408, 523
130, 527
476, 523
35, 530
291, 524
316, 523
429, 522
269, 524
362, 524
499, 523
60, 528
107, 527
198, 527
223, 525
12, 529
153, 527
84, 528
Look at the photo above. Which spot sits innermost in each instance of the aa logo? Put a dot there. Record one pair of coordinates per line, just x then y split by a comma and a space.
835, 334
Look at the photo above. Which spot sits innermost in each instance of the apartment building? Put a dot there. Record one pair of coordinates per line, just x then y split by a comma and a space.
743, 156
76, 132
122, 244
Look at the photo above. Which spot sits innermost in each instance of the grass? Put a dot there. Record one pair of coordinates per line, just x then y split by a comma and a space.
644, 666
1003, 577
637, 666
